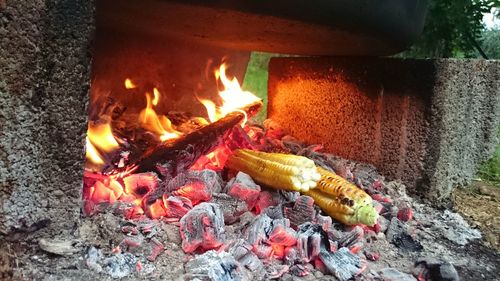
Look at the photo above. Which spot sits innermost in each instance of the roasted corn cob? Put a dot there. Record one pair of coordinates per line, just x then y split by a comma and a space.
336, 196
343, 200
340, 188
280, 171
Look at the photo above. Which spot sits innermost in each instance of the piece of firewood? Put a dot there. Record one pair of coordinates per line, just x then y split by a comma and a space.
180, 153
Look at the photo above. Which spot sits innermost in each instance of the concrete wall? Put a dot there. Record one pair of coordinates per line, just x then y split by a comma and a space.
45, 51
426, 122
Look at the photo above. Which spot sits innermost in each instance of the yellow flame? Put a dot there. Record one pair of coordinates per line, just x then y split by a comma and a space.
92, 154
129, 84
211, 109
159, 125
99, 138
233, 97
156, 94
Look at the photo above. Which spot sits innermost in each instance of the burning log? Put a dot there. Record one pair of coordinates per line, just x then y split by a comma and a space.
180, 153
202, 227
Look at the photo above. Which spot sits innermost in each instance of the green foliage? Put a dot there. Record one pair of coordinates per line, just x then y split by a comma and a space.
490, 170
453, 28
256, 79
490, 43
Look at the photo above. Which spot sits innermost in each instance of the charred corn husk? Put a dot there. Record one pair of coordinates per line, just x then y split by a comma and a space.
280, 171
343, 200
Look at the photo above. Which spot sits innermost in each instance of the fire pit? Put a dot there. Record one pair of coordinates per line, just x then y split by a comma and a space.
150, 166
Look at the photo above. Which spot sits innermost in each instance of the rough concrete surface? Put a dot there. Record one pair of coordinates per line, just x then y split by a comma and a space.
426, 122
45, 51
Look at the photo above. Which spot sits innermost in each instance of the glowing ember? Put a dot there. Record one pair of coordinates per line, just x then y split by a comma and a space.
214, 160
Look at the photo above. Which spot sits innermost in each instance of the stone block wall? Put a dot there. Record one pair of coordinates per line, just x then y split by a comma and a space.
45, 55
428, 123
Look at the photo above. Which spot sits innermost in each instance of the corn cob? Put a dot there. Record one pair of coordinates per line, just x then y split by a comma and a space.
340, 188
336, 196
343, 200
342, 211
280, 171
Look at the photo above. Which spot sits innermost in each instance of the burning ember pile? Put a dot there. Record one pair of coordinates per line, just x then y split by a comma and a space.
240, 210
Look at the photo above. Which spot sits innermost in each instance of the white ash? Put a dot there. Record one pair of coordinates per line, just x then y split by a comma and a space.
342, 264
213, 266
232, 208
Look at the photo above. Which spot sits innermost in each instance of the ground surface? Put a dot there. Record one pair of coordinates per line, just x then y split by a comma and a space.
480, 205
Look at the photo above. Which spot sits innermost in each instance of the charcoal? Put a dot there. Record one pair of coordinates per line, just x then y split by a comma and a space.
274, 212
264, 201
244, 188
372, 255
311, 239
195, 191
301, 212
405, 214
397, 234
433, 269
391, 274
213, 266
290, 256
349, 239
342, 264
281, 233
177, 206
290, 196
263, 251
120, 265
383, 224
132, 243
202, 227
325, 222
232, 208
241, 250
210, 178
141, 184
256, 232
156, 249
406, 242
292, 144
275, 270
299, 270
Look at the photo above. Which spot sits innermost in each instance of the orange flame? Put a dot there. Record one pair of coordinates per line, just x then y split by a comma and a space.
233, 97
159, 125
